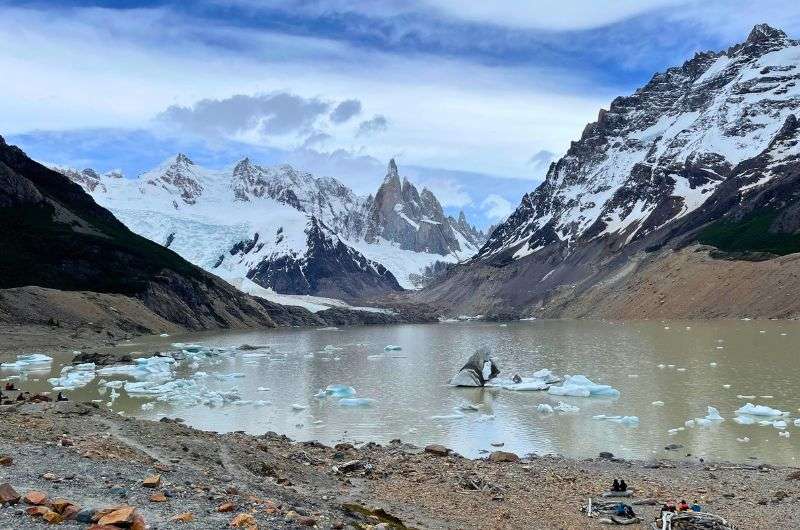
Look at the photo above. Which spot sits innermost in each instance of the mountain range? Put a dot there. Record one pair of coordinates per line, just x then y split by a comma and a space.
678, 201
287, 230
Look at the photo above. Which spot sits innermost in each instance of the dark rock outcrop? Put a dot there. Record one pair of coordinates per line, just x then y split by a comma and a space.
477, 371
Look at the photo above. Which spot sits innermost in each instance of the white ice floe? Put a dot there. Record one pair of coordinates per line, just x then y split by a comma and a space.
726, 386
712, 417
144, 368
760, 410
628, 421
30, 362
743, 440
581, 386
113, 384
340, 391
356, 402
72, 377
392, 347
565, 407
785, 434
712, 364
297, 407
544, 408
657, 403
185, 392
148, 406
740, 396
484, 418
469, 407
262, 389
779, 424
662, 366
744, 420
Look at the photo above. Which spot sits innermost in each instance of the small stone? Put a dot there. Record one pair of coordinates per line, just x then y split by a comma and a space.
606, 455
70, 512
6, 460
794, 475
85, 516
36, 511
59, 505
36, 498
185, 517
153, 481
226, 507
8, 495
503, 456
673, 447
49, 476
52, 517
304, 520
67, 442
158, 497
437, 450
122, 516
243, 520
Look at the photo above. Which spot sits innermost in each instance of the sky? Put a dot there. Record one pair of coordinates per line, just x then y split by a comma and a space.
473, 99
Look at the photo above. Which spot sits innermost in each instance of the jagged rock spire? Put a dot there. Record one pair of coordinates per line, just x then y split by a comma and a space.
765, 32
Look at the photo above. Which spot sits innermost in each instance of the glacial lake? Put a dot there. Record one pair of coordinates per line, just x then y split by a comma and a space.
724, 364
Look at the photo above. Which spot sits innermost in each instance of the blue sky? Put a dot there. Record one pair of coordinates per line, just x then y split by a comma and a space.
472, 98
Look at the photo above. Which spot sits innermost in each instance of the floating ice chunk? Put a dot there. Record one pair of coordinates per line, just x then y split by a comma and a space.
689, 423
297, 407
392, 347
680, 369
628, 421
565, 407
662, 366
72, 377
503, 325
164, 335
743, 440
469, 407
726, 386
633, 376
375, 357
321, 394
779, 424
766, 397
581, 386
484, 418
657, 403
148, 406
544, 408
713, 415
113, 384
29, 362
785, 434
329, 328
527, 384
745, 397
672, 432
712, 364
744, 420
760, 410
144, 368
254, 355
356, 402
670, 366
703, 422
797, 422
331, 347
340, 391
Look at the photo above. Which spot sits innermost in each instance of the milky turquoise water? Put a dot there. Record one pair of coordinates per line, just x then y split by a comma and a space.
409, 387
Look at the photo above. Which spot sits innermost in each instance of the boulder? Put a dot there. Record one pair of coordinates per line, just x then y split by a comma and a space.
478, 370
8, 495
503, 456
436, 449
36, 498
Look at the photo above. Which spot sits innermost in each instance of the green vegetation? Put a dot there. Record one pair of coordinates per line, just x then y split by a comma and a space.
751, 234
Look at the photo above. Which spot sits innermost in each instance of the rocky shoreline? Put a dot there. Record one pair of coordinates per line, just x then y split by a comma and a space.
174, 476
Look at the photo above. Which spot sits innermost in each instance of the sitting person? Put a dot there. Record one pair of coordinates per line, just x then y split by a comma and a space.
696, 507
615, 485
623, 510
683, 506
622, 485
669, 506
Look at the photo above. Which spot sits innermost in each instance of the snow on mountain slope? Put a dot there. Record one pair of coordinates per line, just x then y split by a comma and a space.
281, 227
658, 154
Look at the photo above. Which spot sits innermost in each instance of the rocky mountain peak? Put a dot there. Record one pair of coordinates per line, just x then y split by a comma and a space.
764, 33
183, 160
178, 176
392, 169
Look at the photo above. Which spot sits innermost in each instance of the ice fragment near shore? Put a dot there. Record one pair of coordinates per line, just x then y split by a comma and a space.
144, 368
628, 421
392, 347
565, 407
744, 420
72, 377
29, 362
544, 408
581, 386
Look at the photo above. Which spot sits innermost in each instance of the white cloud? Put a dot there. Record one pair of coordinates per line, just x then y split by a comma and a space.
497, 207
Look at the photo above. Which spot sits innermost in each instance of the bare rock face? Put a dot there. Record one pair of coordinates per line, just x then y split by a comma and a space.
706, 151
414, 220
327, 268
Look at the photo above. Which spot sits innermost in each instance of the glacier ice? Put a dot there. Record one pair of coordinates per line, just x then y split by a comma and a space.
544, 408
392, 347
565, 407
29, 362
72, 377
340, 391
760, 410
144, 368
581, 386
744, 420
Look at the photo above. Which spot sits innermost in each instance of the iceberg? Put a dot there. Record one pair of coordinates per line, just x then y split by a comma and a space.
657, 403
628, 421
713, 415
478, 370
144, 368
187, 392
392, 347
544, 408
297, 407
581, 386
29, 362
565, 407
744, 420
779, 424
72, 377
760, 410
340, 391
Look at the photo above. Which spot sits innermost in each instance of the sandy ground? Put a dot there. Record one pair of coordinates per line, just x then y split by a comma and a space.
690, 284
283, 484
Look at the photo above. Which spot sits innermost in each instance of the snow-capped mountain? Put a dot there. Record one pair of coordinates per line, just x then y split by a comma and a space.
660, 153
698, 143
282, 228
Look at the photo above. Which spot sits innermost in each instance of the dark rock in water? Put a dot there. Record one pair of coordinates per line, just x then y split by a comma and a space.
606, 455
673, 447
101, 359
479, 369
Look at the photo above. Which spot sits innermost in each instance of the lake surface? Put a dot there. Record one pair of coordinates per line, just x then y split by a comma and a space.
412, 400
